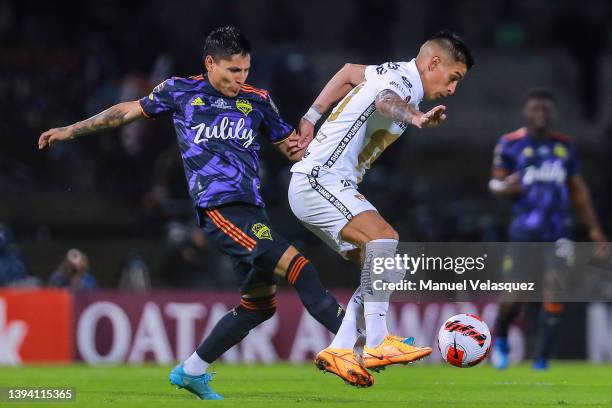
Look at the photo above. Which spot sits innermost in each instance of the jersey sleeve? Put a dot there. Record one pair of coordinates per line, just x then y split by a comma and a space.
160, 100
274, 126
502, 156
388, 76
573, 161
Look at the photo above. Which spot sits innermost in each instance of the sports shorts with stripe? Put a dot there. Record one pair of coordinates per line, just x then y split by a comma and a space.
325, 204
243, 231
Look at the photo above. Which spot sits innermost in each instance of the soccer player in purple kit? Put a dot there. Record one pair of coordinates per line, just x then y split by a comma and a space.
219, 122
539, 168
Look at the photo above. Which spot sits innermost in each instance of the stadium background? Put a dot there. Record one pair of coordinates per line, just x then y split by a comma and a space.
120, 197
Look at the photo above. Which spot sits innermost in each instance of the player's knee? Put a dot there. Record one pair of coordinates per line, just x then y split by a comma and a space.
385, 232
261, 308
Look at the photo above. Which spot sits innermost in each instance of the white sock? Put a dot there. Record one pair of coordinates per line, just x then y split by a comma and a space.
377, 329
376, 303
347, 333
194, 365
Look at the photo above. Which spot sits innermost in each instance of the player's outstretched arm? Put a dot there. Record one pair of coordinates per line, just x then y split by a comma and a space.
391, 105
349, 76
581, 200
115, 116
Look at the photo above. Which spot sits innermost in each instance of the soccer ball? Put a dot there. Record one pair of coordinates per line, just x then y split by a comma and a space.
464, 340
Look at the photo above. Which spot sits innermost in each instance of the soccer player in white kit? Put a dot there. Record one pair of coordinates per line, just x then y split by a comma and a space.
378, 104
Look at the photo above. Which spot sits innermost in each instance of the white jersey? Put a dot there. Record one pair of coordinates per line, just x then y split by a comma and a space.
354, 134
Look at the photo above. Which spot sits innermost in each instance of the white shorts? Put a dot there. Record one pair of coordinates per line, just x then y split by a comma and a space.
325, 205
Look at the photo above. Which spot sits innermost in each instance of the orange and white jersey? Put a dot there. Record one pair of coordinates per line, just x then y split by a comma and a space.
355, 134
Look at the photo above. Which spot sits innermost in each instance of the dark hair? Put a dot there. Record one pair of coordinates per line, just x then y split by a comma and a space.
540, 93
455, 46
223, 42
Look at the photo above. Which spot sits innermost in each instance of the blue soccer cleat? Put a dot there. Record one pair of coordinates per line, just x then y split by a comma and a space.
196, 384
540, 364
500, 358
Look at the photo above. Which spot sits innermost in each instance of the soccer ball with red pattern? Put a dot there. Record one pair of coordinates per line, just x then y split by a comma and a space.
464, 340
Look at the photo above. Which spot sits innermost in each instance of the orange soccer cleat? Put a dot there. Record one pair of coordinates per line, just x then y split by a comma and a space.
342, 362
393, 350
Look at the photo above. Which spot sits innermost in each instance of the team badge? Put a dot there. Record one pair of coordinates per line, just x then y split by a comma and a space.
244, 106
262, 231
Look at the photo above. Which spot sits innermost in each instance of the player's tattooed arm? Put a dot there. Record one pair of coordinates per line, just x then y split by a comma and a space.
348, 77
115, 116
391, 105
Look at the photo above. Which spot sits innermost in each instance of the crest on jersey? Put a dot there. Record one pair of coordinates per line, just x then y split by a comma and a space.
262, 231
244, 106
560, 151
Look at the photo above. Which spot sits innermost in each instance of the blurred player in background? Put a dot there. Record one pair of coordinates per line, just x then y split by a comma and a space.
381, 102
539, 168
220, 122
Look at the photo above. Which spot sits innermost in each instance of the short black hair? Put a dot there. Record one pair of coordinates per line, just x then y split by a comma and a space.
456, 47
540, 93
224, 42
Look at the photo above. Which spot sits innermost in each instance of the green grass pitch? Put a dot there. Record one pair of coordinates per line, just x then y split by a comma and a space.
300, 386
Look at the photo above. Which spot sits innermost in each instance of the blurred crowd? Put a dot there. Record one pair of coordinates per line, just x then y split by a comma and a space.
62, 62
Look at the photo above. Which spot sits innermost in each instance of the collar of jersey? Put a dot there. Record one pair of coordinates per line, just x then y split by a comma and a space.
415, 74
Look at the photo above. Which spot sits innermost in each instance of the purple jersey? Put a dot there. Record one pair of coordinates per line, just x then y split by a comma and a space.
219, 137
542, 212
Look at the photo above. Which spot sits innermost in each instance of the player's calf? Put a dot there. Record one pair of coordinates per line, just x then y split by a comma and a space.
235, 325
302, 275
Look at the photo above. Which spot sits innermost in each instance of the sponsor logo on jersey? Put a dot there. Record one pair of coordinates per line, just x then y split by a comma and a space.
244, 106
543, 151
197, 102
360, 197
380, 70
226, 129
221, 104
547, 172
262, 231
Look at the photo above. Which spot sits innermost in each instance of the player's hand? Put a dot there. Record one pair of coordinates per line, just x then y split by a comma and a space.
293, 143
513, 183
48, 138
306, 132
432, 118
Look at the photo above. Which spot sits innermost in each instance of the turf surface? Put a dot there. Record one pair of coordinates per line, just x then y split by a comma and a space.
284, 385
